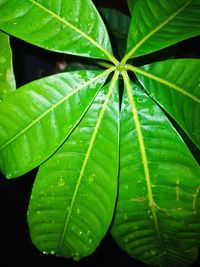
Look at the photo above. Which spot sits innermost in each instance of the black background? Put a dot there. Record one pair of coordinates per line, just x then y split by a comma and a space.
16, 248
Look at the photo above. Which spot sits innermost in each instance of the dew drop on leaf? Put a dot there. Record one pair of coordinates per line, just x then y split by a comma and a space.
88, 233
76, 256
80, 233
91, 178
61, 181
90, 241
2, 60
52, 252
78, 211
152, 94
140, 100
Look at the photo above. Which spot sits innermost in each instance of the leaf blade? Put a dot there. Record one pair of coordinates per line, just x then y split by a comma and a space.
118, 23
46, 118
75, 21
84, 189
168, 23
170, 83
7, 79
173, 194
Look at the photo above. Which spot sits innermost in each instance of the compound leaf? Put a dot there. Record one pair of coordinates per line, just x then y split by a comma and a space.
118, 23
36, 119
74, 193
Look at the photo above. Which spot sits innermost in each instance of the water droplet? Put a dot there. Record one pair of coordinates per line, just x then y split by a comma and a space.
61, 181
90, 241
44, 252
78, 211
149, 212
9, 175
152, 94
151, 111
2, 60
199, 84
116, 99
91, 178
88, 233
76, 256
52, 252
153, 252
140, 100
38, 212
125, 102
80, 232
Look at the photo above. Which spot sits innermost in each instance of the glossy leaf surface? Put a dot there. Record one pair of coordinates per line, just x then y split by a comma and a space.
118, 23
130, 5
73, 197
175, 84
158, 211
7, 79
159, 24
57, 25
37, 118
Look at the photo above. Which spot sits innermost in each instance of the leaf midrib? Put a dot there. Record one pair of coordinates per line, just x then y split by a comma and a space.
67, 23
156, 29
106, 72
87, 155
152, 205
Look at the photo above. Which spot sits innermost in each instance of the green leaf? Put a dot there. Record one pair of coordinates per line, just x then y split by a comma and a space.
130, 5
158, 211
58, 26
118, 23
175, 84
159, 24
7, 79
74, 194
37, 118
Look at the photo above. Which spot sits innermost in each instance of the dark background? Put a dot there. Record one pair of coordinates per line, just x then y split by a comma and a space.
31, 63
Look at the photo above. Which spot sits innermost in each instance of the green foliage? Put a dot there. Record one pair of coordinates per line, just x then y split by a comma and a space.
108, 152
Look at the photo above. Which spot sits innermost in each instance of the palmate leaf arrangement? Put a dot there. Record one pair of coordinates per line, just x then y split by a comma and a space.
105, 158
